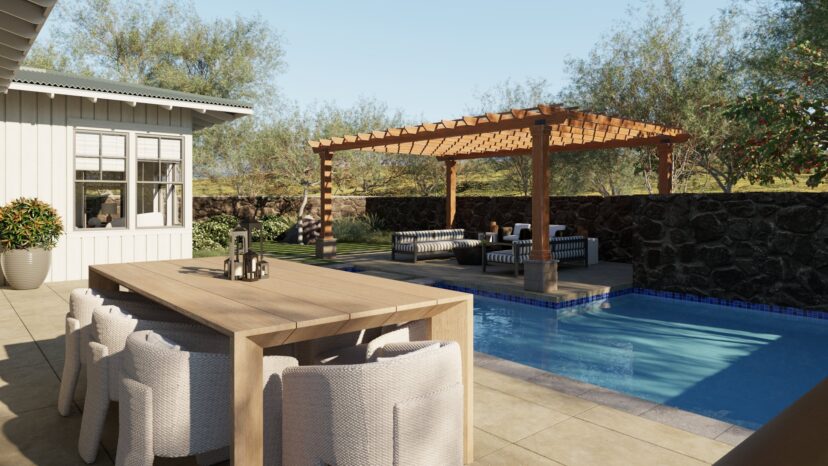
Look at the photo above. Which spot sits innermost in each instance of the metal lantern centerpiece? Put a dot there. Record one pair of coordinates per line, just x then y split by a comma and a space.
255, 267
239, 245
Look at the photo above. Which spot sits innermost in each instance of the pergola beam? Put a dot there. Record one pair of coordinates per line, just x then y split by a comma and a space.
451, 192
636, 142
665, 168
376, 140
326, 244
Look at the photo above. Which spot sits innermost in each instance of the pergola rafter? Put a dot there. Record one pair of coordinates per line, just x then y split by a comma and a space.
536, 132
496, 133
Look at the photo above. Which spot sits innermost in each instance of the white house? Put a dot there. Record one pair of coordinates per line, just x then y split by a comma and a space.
114, 159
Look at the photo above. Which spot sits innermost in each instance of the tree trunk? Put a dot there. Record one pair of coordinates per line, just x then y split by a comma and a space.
302, 213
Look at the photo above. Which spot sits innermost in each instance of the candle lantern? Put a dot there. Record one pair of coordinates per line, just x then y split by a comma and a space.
250, 270
257, 267
238, 242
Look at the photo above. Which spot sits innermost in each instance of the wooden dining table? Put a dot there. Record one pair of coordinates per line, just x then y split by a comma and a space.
298, 303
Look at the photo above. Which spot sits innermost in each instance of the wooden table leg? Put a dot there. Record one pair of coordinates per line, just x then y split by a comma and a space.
248, 423
101, 283
457, 324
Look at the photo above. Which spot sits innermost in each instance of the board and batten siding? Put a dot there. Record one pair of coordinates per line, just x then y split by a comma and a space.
37, 160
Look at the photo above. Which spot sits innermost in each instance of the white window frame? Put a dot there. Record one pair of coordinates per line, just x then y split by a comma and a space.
125, 182
181, 183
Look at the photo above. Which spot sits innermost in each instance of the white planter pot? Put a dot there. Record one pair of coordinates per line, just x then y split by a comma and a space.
25, 269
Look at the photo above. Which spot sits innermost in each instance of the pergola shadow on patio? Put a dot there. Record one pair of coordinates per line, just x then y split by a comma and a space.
537, 132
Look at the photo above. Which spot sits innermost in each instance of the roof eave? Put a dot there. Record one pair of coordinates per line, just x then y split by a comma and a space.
130, 99
17, 36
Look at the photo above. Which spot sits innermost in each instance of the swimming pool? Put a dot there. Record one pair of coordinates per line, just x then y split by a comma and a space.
740, 366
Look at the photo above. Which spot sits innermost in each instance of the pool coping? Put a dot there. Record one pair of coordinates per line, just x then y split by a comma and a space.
687, 421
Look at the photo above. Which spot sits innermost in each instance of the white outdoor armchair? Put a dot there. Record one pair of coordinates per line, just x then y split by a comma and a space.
404, 409
175, 401
107, 338
82, 302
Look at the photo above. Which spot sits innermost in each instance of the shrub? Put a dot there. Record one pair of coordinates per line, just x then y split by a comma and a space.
273, 226
29, 223
360, 229
214, 232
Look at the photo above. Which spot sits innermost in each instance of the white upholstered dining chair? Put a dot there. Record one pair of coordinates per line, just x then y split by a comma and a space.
406, 408
82, 303
107, 338
175, 398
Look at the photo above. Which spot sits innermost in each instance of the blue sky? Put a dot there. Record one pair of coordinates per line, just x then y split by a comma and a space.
431, 58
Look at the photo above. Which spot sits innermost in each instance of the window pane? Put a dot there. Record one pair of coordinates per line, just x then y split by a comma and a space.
147, 148
178, 207
147, 171
87, 169
148, 198
100, 205
113, 145
86, 144
113, 169
171, 149
170, 171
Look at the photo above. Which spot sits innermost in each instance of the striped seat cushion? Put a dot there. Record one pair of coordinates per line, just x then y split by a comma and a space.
466, 243
437, 246
504, 257
429, 235
568, 247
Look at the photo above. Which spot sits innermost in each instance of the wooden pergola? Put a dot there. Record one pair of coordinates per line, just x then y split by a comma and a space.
536, 132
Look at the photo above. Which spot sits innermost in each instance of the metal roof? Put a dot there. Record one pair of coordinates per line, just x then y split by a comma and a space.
40, 77
20, 23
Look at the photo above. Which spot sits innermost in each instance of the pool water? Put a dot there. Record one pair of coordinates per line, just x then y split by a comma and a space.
736, 365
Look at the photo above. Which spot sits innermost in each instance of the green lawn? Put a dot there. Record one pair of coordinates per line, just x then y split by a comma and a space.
306, 253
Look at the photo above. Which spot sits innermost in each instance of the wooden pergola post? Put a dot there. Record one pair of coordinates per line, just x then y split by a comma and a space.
451, 192
540, 271
326, 244
665, 168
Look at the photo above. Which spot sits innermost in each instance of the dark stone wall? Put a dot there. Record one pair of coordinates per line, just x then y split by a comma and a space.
242, 207
607, 218
755, 247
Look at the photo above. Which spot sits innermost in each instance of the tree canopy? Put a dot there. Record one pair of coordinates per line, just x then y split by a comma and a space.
749, 87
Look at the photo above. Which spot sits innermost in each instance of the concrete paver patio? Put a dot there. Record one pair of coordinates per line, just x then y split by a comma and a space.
522, 416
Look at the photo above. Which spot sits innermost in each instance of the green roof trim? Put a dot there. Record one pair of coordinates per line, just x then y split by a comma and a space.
41, 77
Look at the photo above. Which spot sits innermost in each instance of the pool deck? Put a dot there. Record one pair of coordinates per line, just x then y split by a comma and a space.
574, 281
522, 415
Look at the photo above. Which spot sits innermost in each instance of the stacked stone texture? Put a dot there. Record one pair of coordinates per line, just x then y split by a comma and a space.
756, 247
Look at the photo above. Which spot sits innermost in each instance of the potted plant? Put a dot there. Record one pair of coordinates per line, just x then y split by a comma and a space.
29, 229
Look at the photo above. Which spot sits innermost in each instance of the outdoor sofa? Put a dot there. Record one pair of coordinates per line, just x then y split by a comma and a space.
564, 249
429, 242
515, 234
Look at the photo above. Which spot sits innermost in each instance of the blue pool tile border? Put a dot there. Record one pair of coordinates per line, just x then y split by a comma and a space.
533, 301
731, 303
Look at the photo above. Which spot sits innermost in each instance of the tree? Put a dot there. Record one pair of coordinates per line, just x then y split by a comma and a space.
787, 126
367, 173
503, 97
657, 70
779, 28
166, 44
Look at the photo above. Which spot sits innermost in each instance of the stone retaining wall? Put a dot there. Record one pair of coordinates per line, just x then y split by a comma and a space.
757, 247
609, 219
